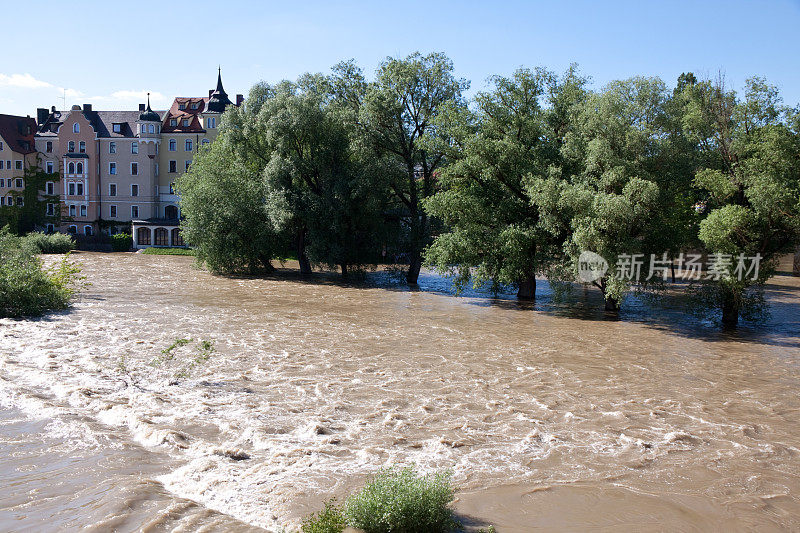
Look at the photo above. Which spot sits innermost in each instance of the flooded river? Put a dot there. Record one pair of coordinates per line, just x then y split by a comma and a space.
550, 416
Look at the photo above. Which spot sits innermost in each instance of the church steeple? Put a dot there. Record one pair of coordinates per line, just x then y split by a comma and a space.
218, 100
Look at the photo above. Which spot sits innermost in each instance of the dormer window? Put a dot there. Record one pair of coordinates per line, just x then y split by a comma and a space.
173, 122
181, 106
194, 106
186, 123
116, 128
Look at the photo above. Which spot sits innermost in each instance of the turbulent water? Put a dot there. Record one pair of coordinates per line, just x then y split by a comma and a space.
550, 416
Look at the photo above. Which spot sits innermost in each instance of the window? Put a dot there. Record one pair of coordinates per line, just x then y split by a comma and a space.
156, 147
2, 182
8, 165
143, 236
116, 128
51, 209
188, 145
112, 189
76, 128
156, 169
172, 188
185, 123
1, 165
134, 169
20, 200
82, 147
171, 212
173, 122
10, 200
72, 210
17, 165
181, 106
186, 164
71, 188
177, 237
112, 147
48, 146
80, 188
112, 168
49, 167
50, 188
1, 147
205, 142
79, 168
51, 228
211, 122
134, 189
134, 147
83, 210
18, 183
194, 105
135, 214
87, 230
71, 147
161, 237
71, 168
112, 211
173, 145
173, 167
73, 229
152, 128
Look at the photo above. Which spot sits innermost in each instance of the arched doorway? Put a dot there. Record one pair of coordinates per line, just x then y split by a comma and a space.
143, 236
177, 238
171, 212
162, 237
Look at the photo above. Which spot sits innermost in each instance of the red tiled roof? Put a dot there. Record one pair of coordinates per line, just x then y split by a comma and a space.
175, 112
18, 133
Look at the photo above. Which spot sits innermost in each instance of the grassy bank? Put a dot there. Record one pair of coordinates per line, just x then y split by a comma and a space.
168, 251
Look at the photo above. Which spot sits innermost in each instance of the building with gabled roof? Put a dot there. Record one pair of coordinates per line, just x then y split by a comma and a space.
17, 153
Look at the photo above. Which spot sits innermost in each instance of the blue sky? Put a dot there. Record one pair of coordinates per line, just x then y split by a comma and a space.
111, 53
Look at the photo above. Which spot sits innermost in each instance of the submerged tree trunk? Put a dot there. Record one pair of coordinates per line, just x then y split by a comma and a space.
527, 288
611, 303
415, 265
796, 270
730, 311
302, 258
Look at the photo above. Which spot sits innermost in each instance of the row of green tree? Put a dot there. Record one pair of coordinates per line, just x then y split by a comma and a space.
512, 184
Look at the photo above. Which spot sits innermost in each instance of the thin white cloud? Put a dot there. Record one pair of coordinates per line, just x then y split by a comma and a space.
24, 81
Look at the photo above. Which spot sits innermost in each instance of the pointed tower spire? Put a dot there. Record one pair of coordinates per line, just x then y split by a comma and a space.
218, 99
219, 80
149, 114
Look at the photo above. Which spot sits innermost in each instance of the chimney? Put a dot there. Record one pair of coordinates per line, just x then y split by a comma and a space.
141, 107
41, 115
210, 92
87, 107
239, 99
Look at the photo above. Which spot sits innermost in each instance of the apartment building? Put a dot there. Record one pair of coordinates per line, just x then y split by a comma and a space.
118, 168
17, 153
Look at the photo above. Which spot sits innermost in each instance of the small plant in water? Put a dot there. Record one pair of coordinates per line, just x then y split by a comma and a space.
329, 520
400, 500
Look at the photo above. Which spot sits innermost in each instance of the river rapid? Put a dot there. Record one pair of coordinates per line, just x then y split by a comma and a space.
551, 416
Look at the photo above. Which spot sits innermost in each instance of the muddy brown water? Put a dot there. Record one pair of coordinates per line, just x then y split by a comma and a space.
550, 416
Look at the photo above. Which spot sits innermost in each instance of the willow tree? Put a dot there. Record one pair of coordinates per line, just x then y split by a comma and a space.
609, 199
751, 181
222, 202
494, 152
321, 185
398, 110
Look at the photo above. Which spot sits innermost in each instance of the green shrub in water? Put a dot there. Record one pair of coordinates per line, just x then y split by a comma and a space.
398, 500
42, 243
329, 520
121, 242
27, 288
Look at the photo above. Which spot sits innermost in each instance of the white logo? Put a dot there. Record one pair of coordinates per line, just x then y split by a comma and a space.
591, 267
